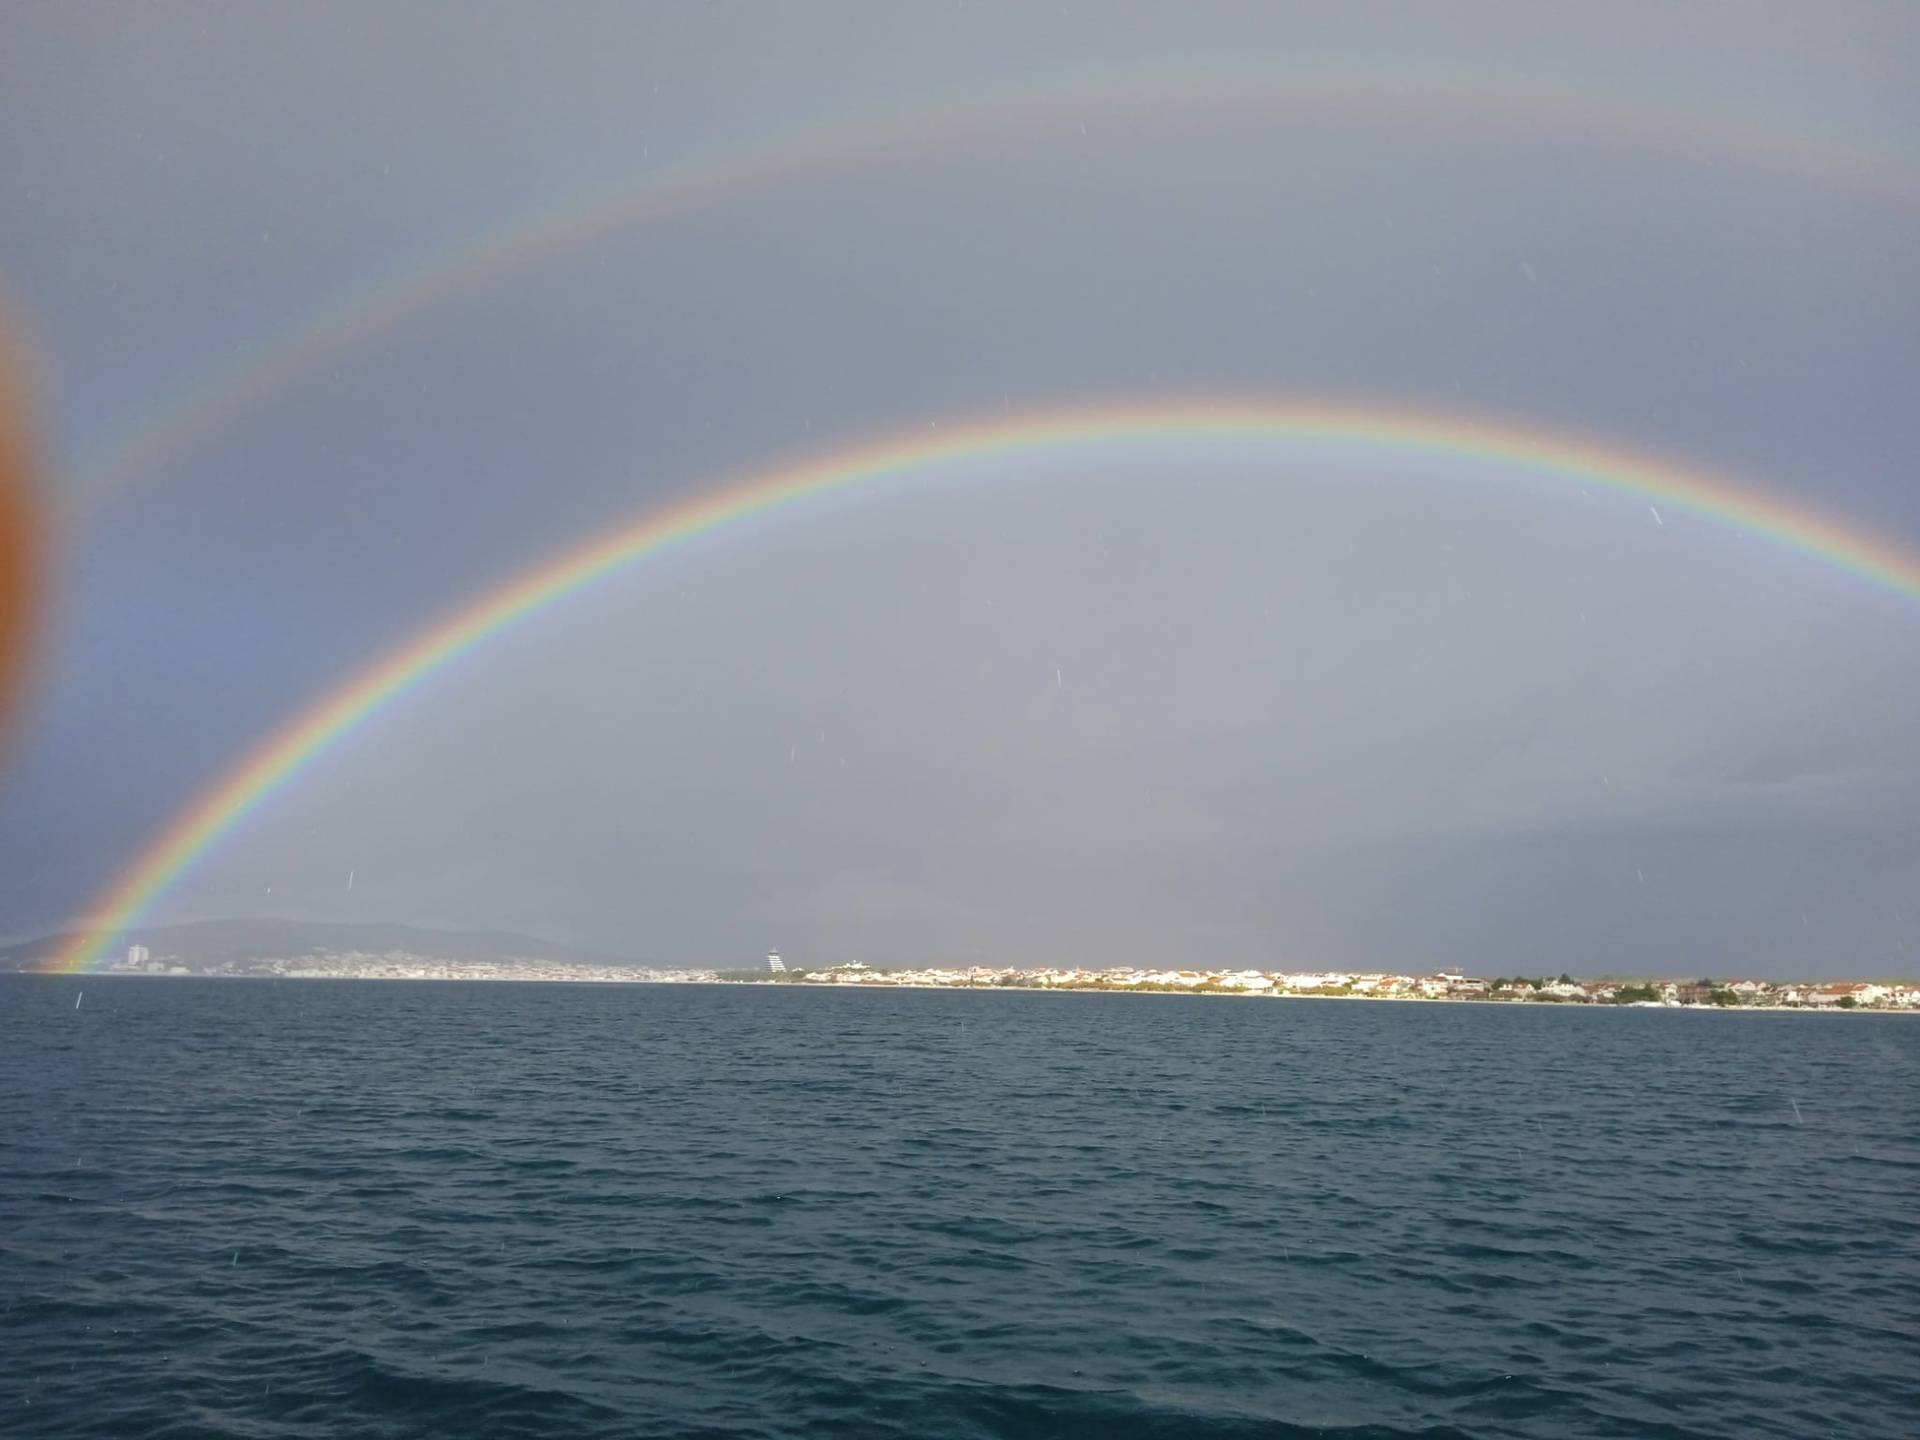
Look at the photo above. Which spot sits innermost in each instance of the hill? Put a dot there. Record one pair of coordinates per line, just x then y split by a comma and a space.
254, 937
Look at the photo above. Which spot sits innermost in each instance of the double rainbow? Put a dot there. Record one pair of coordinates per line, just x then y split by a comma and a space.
1002, 439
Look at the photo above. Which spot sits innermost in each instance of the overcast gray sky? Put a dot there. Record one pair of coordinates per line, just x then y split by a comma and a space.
1224, 701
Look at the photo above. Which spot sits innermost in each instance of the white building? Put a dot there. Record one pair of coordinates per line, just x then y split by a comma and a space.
137, 956
776, 964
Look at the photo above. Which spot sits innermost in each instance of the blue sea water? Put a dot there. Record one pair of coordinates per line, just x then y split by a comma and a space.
284, 1209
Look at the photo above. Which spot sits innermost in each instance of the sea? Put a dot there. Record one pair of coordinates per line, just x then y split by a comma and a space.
312, 1208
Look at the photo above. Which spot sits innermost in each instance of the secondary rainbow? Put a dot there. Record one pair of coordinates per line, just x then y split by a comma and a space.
1510, 448
1209, 94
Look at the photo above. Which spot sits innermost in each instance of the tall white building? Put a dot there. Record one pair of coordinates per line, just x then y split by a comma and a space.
776, 964
138, 955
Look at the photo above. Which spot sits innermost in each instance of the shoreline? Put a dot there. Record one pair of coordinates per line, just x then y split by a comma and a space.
1194, 994
1358, 999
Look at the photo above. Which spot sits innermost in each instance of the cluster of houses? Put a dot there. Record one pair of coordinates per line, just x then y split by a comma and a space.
1446, 985
391, 965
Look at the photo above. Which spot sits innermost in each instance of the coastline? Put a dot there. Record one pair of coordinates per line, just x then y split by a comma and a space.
613, 982
1337, 999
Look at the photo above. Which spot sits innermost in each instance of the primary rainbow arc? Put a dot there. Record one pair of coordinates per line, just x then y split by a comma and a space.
1510, 447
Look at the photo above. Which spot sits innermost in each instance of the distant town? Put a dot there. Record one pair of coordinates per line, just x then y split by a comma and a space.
1446, 985
395, 965
1370, 985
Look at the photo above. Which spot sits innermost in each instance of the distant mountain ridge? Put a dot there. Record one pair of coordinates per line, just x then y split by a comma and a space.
250, 937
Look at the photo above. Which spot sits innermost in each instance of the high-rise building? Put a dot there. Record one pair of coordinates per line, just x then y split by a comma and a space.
776, 964
138, 955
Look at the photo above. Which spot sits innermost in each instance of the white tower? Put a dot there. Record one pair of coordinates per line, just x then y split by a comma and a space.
138, 955
776, 964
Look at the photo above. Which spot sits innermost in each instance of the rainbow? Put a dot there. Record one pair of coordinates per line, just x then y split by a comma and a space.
1210, 94
1487, 444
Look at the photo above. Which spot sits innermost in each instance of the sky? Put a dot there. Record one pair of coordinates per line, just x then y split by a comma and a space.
1224, 701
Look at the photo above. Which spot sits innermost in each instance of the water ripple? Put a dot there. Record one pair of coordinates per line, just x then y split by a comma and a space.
282, 1210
